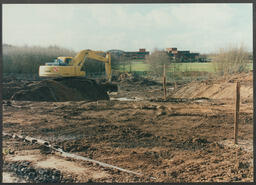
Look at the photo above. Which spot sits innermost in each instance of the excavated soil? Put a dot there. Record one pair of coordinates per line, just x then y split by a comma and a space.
218, 89
57, 90
186, 138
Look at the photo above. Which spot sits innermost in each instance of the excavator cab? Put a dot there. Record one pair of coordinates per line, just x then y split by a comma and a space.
60, 61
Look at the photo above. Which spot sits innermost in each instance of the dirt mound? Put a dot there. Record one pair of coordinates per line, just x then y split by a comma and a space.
128, 77
12, 85
57, 90
219, 89
133, 78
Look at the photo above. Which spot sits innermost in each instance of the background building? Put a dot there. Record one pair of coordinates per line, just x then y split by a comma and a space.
182, 56
141, 54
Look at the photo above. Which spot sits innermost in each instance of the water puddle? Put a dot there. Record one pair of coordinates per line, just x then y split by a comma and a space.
127, 99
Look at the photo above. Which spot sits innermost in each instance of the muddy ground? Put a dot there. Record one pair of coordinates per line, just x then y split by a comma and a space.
187, 138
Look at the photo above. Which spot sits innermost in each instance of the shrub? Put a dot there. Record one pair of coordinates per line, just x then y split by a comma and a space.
231, 60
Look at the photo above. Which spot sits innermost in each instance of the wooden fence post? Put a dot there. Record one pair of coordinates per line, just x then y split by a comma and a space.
236, 117
164, 83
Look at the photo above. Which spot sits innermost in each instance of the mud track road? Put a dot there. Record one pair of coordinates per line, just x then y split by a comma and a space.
186, 141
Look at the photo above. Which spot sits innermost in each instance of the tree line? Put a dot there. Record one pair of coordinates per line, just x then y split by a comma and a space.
27, 59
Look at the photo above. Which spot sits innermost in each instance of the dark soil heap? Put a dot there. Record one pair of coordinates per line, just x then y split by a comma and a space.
58, 90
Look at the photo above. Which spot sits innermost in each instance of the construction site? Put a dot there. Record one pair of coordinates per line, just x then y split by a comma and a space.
132, 92
75, 129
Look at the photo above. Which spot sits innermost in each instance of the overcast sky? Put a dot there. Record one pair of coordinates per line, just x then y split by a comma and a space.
197, 27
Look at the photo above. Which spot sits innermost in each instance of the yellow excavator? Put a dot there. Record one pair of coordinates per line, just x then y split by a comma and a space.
71, 66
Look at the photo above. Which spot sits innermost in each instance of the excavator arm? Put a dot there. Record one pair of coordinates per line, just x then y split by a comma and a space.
73, 68
79, 59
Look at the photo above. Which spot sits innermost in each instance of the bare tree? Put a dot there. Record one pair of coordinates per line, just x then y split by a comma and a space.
156, 60
27, 59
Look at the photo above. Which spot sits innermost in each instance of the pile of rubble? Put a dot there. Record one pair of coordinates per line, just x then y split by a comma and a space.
25, 170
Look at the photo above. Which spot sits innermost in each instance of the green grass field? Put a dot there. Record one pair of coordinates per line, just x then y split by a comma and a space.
142, 66
250, 66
